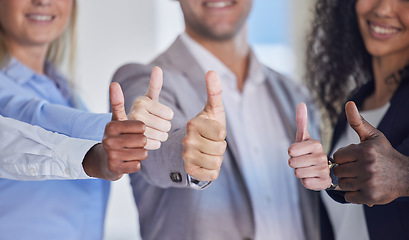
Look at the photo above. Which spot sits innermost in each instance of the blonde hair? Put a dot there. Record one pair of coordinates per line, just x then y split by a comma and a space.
57, 52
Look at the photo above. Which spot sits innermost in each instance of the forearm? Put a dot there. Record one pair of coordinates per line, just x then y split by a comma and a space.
32, 153
18, 104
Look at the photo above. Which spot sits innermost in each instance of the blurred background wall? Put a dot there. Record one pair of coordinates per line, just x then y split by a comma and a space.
112, 33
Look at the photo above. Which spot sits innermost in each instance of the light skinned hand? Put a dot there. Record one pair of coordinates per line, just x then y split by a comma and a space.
372, 172
204, 143
153, 114
307, 155
122, 147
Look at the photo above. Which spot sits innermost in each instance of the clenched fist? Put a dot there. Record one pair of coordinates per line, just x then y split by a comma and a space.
204, 143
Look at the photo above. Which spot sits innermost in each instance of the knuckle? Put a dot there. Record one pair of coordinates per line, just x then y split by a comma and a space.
323, 159
165, 137
191, 124
136, 167
291, 149
112, 166
214, 175
308, 183
140, 125
217, 162
221, 148
138, 115
291, 162
144, 154
187, 141
109, 127
317, 146
297, 173
221, 133
324, 168
370, 168
167, 126
143, 140
187, 156
370, 150
191, 170
112, 157
142, 101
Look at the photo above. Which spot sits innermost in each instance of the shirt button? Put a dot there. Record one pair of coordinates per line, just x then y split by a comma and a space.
176, 177
68, 171
32, 171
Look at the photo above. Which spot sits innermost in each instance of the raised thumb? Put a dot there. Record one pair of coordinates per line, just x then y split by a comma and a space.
214, 102
301, 118
117, 102
155, 84
364, 130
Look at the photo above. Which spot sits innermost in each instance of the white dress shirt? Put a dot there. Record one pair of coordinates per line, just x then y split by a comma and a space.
262, 142
348, 220
31, 153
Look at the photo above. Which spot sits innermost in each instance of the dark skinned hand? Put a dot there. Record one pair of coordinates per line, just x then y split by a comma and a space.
371, 172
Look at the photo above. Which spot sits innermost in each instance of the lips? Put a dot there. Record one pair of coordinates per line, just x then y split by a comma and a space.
382, 29
40, 17
218, 4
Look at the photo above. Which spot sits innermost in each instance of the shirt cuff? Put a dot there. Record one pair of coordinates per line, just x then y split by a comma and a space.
196, 184
72, 152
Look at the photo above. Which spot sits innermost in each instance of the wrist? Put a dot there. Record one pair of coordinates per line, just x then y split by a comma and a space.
334, 179
92, 161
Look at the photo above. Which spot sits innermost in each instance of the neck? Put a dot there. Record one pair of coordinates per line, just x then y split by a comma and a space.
32, 56
387, 79
234, 53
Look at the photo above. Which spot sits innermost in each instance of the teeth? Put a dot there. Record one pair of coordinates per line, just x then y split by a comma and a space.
40, 17
384, 31
218, 4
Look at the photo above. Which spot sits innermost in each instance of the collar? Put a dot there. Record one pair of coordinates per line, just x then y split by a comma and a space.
207, 61
18, 71
21, 74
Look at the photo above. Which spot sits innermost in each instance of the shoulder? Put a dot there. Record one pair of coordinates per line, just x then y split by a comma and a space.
287, 84
289, 92
131, 70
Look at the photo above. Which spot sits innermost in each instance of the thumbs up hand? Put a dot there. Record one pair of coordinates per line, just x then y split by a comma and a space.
204, 143
372, 172
153, 114
122, 147
307, 155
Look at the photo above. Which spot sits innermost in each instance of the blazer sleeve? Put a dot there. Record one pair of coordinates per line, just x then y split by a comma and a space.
162, 165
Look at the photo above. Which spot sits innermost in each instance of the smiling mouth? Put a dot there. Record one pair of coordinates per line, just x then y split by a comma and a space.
382, 29
221, 4
40, 17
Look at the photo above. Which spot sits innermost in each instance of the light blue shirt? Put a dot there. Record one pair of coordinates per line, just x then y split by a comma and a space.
72, 209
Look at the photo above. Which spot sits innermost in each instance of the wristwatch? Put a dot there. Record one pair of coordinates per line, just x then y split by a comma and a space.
334, 179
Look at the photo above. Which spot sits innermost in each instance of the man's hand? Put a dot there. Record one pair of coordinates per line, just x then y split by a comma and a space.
371, 172
122, 147
307, 155
204, 143
153, 114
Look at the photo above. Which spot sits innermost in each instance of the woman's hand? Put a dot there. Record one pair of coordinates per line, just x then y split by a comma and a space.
153, 114
371, 172
307, 156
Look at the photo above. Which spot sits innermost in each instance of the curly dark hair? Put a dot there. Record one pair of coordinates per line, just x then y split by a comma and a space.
337, 60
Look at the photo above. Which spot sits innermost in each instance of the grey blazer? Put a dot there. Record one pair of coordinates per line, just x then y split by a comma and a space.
168, 207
